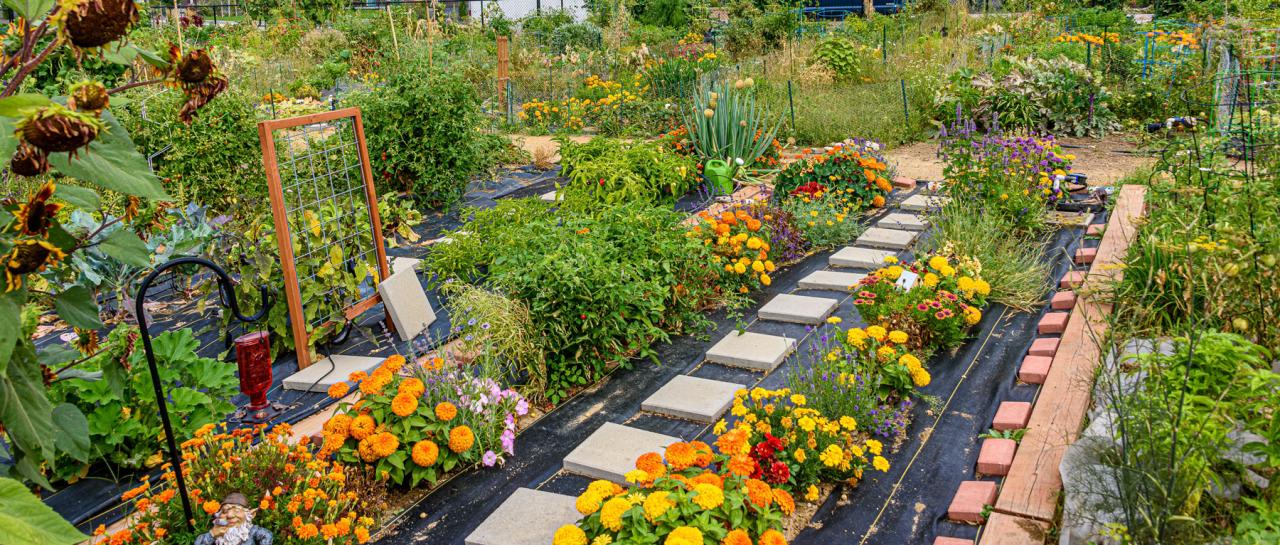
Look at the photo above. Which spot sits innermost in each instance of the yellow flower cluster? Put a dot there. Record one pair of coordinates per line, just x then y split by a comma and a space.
1176, 38
739, 245
1085, 38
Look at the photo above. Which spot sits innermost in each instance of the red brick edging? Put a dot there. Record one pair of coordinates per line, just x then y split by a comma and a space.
1029, 495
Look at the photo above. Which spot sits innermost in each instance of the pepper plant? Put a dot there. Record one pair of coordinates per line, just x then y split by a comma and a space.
75, 140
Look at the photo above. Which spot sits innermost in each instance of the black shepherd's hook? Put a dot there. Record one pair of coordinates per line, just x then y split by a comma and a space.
225, 285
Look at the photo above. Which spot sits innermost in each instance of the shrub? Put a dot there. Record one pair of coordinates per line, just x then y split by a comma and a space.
826, 219
843, 56
215, 160
1057, 96
417, 426
300, 498
572, 36
663, 13
606, 171
422, 132
935, 310
600, 287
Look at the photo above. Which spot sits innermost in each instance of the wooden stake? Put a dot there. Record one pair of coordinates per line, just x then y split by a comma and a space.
395, 42
504, 57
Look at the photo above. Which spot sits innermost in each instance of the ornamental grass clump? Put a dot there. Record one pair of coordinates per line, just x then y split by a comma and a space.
303, 499
417, 426
935, 310
725, 122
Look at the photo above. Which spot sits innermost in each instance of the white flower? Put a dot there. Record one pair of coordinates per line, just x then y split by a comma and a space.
874, 145
738, 161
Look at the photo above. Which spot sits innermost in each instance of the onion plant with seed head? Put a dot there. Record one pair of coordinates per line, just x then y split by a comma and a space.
726, 122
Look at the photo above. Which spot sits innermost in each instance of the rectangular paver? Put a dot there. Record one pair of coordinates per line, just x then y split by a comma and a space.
798, 309
1047, 346
1011, 415
528, 517
904, 221
996, 455
1053, 323
970, 500
920, 202
862, 258
1034, 369
751, 350
697, 399
892, 239
830, 280
1063, 300
612, 450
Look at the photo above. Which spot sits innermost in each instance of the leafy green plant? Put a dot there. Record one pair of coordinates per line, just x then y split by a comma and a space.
828, 219
1012, 261
121, 406
422, 128
28, 521
573, 36
607, 171
845, 57
725, 122
993, 433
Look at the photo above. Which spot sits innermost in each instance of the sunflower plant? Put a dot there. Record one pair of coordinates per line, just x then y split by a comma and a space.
76, 137
936, 309
687, 496
417, 426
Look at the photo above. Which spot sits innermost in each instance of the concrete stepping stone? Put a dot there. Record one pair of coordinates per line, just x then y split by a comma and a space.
996, 456
969, 501
551, 196
903, 221
798, 309
830, 280
692, 398
920, 203
862, 258
318, 378
751, 350
612, 450
528, 517
1035, 369
1063, 300
893, 239
1012, 415
407, 303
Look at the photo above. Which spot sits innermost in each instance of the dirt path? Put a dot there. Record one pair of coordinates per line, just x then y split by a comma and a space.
1104, 160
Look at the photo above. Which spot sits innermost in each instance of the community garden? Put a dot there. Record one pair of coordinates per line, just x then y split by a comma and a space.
678, 272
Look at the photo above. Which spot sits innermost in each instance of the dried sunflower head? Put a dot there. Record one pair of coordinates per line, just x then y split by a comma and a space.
28, 256
88, 24
195, 74
28, 160
55, 128
89, 97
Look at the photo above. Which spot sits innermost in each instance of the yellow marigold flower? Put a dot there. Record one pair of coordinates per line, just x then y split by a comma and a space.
657, 504
404, 404
445, 411
765, 279
569, 534
800, 455
972, 315
807, 424
834, 320
832, 456
769, 266
965, 284
885, 352
603, 488
848, 423
921, 378
757, 266
719, 427
611, 513
937, 262
880, 463
588, 503
603, 539
684, 535
910, 361
739, 268
874, 446
983, 288
948, 271
892, 272
637, 476
890, 259
811, 494
898, 337
876, 332
460, 439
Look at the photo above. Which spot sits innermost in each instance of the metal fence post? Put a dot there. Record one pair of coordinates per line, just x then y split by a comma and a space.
791, 103
906, 112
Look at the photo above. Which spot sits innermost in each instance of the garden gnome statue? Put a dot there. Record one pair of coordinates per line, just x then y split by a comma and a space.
233, 525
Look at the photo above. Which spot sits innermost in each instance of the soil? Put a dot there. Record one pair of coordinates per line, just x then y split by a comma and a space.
1104, 160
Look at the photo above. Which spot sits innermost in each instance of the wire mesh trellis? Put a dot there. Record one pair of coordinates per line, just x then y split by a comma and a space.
326, 221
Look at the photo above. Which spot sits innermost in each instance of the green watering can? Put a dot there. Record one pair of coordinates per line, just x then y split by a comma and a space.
720, 175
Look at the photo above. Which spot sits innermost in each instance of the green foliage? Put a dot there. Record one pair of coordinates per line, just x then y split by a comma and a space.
845, 57
25, 520
600, 288
215, 160
856, 170
828, 220
121, 407
1047, 96
726, 122
575, 36
422, 129
608, 171
1012, 260
662, 13
500, 330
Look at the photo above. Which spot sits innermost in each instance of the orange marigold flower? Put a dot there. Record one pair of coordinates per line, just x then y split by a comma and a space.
878, 201
425, 453
460, 439
784, 501
759, 492
339, 389
742, 465
702, 453
736, 537
338, 424
651, 463
772, 537
362, 426
307, 531
445, 411
404, 404
708, 477
134, 492
211, 506
362, 534
383, 444
393, 363
413, 387
680, 455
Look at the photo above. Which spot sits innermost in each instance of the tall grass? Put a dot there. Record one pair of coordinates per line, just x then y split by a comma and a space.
1013, 265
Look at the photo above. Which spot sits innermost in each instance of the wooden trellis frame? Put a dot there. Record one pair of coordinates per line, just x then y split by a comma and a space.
281, 208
